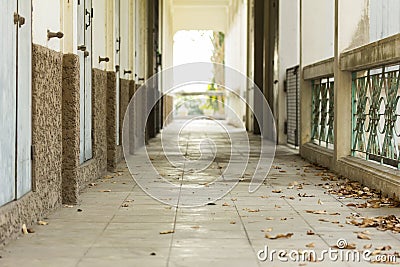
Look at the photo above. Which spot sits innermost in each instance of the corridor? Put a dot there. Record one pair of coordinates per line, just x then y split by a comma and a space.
199, 132
117, 224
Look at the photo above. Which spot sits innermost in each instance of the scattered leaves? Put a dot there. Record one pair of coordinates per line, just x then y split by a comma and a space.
167, 232
278, 236
310, 245
310, 232
225, 204
42, 223
363, 236
24, 229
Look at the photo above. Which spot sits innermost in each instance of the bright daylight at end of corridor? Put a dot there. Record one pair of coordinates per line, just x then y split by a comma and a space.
199, 132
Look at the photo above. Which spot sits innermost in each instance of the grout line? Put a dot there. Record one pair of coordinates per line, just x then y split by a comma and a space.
107, 224
177, 207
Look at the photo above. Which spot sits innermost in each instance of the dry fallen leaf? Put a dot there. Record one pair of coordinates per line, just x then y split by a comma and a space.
68, 206
269, 218
367, 246
195, 227
252, 210
278, 236
24, 229
106, 190
310, 232
384, 248
125, 205
323, 220
225, 204
167, 232
277, 191
310, 245
267, 230
316, 211
232, 222
363, 236
42, 223
320, 202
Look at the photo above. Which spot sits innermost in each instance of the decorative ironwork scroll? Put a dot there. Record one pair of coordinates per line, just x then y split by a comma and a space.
376, 112
323, 112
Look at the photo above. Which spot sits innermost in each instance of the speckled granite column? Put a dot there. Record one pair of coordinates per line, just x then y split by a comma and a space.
111, 121
71, 128
47, 140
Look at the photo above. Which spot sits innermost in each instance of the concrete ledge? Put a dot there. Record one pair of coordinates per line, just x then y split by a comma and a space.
319, 155
371, 174
376, 54
320, 69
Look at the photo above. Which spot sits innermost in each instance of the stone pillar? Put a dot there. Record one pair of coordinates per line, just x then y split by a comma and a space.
70, 128
342, 105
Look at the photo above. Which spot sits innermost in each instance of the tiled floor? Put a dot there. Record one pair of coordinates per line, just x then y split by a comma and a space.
120, 225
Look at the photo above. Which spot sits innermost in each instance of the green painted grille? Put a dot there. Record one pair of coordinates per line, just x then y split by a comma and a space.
322, 121
376, 112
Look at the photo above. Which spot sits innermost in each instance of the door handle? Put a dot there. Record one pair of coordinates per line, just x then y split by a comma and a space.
82, 48
87, 13
18, 19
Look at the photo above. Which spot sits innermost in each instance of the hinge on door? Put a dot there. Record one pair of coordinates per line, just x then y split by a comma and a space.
32, 152
91, 11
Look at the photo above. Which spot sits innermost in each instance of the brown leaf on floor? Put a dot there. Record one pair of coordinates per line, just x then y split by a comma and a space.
335, 222
384, 248
283, 219
232, 222
367, 246
30, 230
92, 184
277, 191
195, 227
334, 213
323, 220
24, 229
264, 196
108, 177
269, 218
278, 236
125, 205
310, 232
310, 245
316, 211
225, 204
251, 210
267, 230
363, 236
68, 206
167, 232
105, 190
305, 195
233, 199
291, 197
42, 223
320, 202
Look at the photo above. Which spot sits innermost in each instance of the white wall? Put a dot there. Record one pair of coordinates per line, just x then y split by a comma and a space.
199, 18
289, 56
124, 32
46, 16
236, 58
99, 33
318, 30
